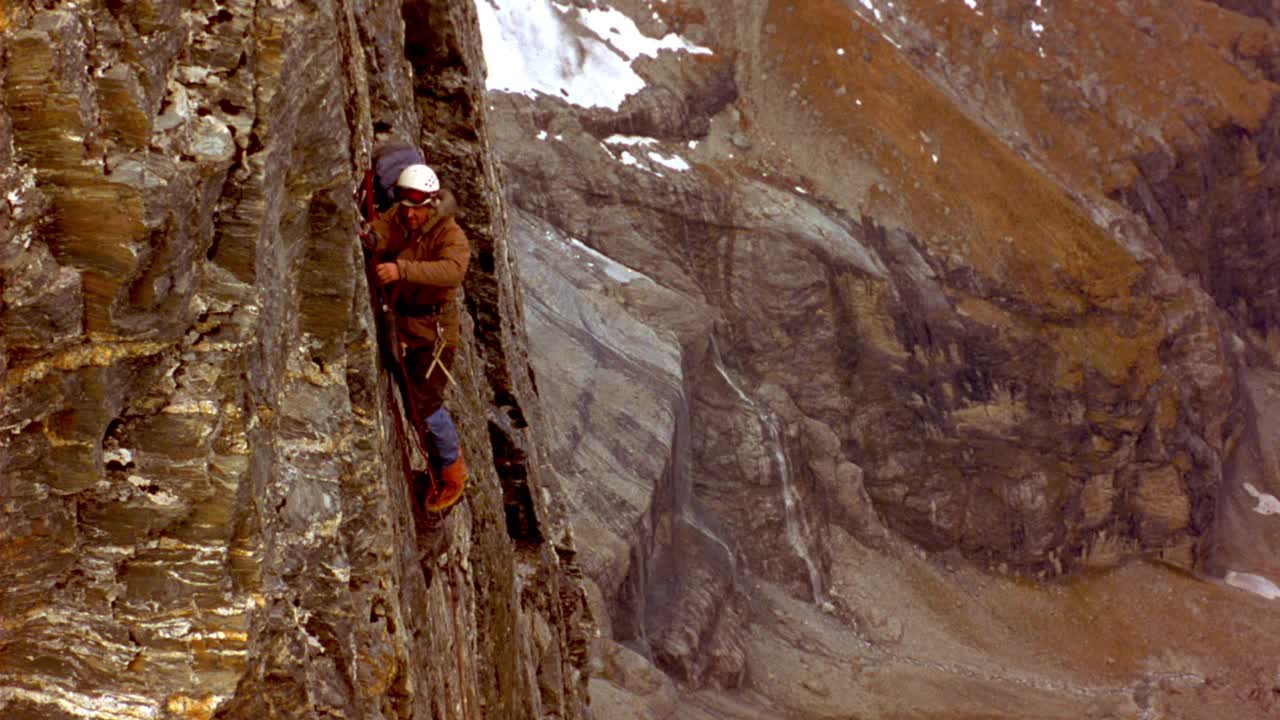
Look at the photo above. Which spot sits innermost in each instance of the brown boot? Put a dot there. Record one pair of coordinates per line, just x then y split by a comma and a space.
447, 490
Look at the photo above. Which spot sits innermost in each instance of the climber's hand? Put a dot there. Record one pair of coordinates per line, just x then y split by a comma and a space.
368, 237
388, 272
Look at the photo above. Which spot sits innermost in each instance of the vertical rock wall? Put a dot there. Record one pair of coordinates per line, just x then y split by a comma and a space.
202, 509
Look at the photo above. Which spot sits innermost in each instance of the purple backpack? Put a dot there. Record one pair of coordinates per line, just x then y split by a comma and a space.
389, 159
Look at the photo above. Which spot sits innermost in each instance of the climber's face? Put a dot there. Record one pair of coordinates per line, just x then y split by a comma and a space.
416, 217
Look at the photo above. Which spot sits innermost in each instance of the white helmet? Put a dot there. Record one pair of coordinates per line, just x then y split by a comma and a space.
417, 185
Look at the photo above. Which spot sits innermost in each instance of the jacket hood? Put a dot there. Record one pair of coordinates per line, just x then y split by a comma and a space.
445, 209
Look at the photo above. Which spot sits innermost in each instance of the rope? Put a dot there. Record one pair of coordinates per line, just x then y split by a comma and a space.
406, 466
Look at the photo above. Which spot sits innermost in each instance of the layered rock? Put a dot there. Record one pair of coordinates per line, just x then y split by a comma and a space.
205, 512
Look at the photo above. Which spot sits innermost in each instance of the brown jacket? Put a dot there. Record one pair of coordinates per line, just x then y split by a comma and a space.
432, 264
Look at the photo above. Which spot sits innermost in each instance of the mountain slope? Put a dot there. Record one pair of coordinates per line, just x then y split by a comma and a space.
908, 298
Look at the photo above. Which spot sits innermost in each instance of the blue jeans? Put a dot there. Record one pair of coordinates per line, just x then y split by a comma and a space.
442, 437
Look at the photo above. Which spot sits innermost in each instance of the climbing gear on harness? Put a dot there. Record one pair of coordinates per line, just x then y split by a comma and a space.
435, 363
436, 351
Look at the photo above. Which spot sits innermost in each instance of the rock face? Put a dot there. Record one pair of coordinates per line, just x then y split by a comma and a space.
870, 305
203, 510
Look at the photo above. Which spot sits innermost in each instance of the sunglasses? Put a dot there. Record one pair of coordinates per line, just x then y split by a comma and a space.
416, 198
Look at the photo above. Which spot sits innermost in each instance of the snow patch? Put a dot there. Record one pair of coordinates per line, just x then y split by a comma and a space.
612, 268
630, 140
1255, 584
1036, 27
629, 159
536, 47
542, 135
1267, 504
675, 162
621, 31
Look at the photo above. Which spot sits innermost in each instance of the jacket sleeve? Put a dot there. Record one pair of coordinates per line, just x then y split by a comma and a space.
382, 232
448, 270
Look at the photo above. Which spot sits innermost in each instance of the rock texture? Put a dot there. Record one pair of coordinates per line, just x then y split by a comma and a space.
920, 289
202, 509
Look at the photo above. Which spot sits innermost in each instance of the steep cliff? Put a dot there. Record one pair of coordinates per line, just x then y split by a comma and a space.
202, 506
911, 359
908, 359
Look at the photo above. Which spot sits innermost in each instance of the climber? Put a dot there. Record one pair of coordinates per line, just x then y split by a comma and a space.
421, 255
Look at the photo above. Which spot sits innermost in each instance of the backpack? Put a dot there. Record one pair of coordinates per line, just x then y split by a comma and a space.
389, 159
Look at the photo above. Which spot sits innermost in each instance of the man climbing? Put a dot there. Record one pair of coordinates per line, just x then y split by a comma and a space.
421, 256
